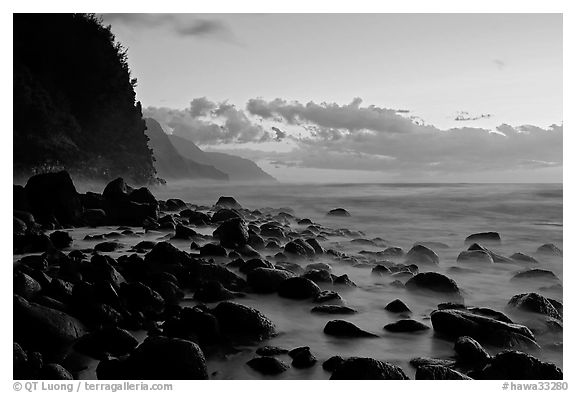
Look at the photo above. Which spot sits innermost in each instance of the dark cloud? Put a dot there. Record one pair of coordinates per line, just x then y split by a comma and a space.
182, 24
280, 135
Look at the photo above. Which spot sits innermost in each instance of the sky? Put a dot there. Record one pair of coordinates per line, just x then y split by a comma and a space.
358, 97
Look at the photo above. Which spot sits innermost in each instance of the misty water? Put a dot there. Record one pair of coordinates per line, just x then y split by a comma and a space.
525, 215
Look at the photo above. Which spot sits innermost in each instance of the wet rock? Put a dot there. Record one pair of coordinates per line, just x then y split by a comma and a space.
302, 357
232, 233
456, 323
439, 373
213, 291
59, 330
256, 241
549, 249
518, 365
340, 328
300, 248
107, 246
367, 368
213, 250
270, 351
338, 212
114, 341
333, 309
210, 271
535, 274
195, 217
54, 371
483, 237
318, 249
174, 204
61, 239
145, 245
268, 365
520, 257
422, 255
170, 291
164, 253
25, 286
434, 282
424, 361
480, 256
298, 288
397, 306
343, 280
224, 215
405, 326
319, 266
332, 363
536, 303
193, 323
140, 297
255, 263
319, 276
381, 270
470, 351
228, 202
328, 296
94, 217
266, 280
184, 233
243, 322
127, 206
397, 284
272, 230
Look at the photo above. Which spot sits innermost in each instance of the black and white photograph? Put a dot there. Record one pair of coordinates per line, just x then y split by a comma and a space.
287, 196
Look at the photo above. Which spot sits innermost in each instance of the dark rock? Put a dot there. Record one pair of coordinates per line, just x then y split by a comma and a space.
145, 245
107, 246
397, 284
196, 217
54, 371
328, 296
298, 288
457, 323
114, 341
340, 328
533, 302
184, 233
61, 239
520, 257
291, 267
266, 280
25, 286
302, 357
272, 230
549, 249
397, 306
486, 237
424, 361
319, 276
224, 215
268, 365
475, 256
228, 203
170, 291
514, 365
52, 196
212, 291
126, 206
300, 248
242, 322
338, 212
270, 351
164, 253
393, 252
470, 351
232, 233
213, 250
318, 249
255, 263
435, 282
381, 270
343, 280
422, 255
141, 298
439, 373
332, 363
94, 217
210, 271
175, 204
405, 326
367, 368
333, 309
535, 274
256, 241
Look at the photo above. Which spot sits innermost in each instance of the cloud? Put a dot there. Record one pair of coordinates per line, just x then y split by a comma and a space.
499, 64
465, 116
186, 25
279, 134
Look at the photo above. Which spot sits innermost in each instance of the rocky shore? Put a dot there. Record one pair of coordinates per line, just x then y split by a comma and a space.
123, 301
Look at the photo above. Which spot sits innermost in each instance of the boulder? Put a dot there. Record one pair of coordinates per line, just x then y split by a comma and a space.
338, 212
184, 233
406, 326
332, 363
270, 351
266, 280
420, 254
224, 215
340, 328
195, 217
514, 365
434, 372
536, 303
318, 249
397, 306
228, 202
107, 246
213, 250
436, 283
319, 276
381, 270
126, 206
140, 297
99, 343
255, 263
242, 322
175, 204
212, 291
267, 365
298, 288
299, 248
474, 256
54, 371
356, 368
333, 309
549, 249
328, 296
164, 253
302, 357
232, 233
25, 286
343, 280
470, 351
94, 217
535, 274
520, 257
483, 237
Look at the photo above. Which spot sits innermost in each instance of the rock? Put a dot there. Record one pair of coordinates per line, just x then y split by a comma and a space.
164, 358
140, 297
343, 280
54, 371
164, 253
405, 326
397, 284
333, 309
268, 365
549, 249
424, 361
495, 257
59, 330
457, 323
483, 237
381, 270
195, 217
114, 341
209, 271
535, 274
255, 263
318, 249
338, 212
184, 233
520, 257
318, 266
438, 373
474, 256
107, 246
53, 196
212, 250
270, 351
533, 302
224, 215
170, 291
302, 357
328, 296
232, 233
175, 204
514, 365
434, 282
367, 368
256, 241
213, 291
18, 226
422, 255
340, 328
266, 280
298, 288
332, 363
273, 230
126, 206
319, 276
397, 306
242, 322
94, 217
470, 351
228, 202
61, 239
300, 248
25, 286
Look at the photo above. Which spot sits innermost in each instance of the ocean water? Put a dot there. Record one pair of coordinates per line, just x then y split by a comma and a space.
525, 215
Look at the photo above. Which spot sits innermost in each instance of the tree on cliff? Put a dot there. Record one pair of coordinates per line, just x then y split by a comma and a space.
74, 100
